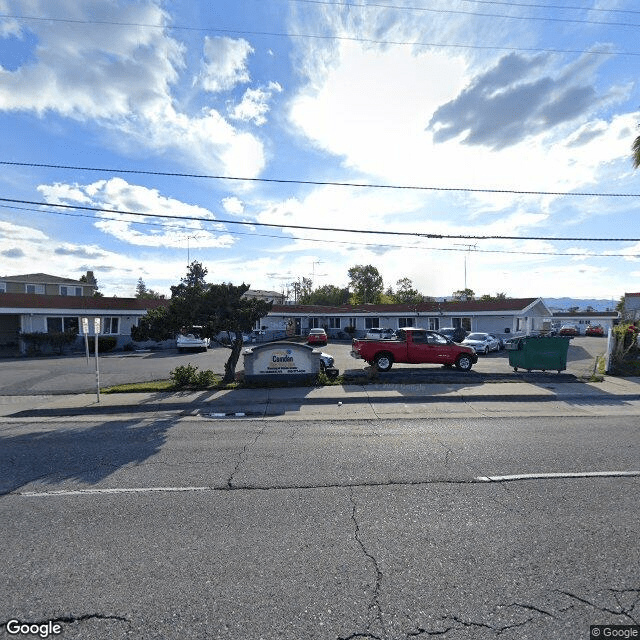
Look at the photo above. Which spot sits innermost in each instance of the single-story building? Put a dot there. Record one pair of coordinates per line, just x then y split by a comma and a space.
41, 313
582, 319
512, 316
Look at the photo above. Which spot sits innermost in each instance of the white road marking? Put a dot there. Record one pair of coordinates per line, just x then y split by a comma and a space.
569, 474
82, 492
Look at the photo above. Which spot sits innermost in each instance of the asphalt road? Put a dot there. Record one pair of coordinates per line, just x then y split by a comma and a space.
378, 530
69, 374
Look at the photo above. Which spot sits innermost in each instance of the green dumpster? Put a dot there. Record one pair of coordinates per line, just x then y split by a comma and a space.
539, 352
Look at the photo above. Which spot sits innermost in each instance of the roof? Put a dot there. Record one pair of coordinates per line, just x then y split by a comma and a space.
77, 303
42, 278
470, 306
585, 314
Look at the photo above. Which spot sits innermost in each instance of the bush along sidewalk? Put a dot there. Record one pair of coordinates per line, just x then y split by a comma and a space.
625, 359
188, 377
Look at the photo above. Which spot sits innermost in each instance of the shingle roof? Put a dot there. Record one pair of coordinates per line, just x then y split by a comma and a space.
78, 303
510, 304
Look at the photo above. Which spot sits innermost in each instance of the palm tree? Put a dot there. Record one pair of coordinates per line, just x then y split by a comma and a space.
636, 153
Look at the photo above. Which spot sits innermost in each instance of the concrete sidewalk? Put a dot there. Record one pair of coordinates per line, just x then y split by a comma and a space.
618, 395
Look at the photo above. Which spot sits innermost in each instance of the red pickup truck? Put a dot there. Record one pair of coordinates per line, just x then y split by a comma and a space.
414, 346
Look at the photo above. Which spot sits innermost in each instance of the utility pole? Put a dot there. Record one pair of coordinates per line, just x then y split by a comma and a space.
195, 237
313, 272
469, 247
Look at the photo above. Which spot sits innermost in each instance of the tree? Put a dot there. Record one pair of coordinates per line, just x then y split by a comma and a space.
366, 284
216, 308
464, 295
636, 152
405, 293
96, 293
147, 294
328, 294
487, 297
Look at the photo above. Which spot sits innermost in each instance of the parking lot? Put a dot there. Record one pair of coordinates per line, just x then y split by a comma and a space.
72, 374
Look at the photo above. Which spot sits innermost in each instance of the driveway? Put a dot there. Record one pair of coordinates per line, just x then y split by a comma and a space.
72, 374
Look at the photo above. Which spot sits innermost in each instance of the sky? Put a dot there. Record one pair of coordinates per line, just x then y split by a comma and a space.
490, 143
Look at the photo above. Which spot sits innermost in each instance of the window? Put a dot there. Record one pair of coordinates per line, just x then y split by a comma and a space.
110, 325
314, 323
434, 324
59, 324
70, 291
3, 287
34, 288
405, 322
371, 323
334, 323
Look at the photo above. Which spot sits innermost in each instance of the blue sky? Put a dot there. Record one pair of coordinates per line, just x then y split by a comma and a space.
478, 96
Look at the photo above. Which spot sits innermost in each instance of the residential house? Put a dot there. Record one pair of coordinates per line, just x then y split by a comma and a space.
632, 306
44, 284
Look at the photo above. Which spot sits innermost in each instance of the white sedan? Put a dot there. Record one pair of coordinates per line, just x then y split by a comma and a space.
482, 342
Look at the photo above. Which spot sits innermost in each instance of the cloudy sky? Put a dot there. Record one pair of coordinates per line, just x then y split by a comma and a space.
232, 126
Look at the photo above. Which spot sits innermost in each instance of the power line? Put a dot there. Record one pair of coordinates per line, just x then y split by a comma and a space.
362, 185
437, 236
376, 5
343, 242
551, 6
276, 34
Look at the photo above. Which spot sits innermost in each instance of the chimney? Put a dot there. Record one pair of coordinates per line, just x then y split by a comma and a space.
90, 277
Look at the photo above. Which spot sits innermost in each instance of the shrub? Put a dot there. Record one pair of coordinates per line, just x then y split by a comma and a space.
105, 343
35, 342
189, 376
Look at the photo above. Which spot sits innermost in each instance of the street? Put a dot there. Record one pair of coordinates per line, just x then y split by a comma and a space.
161, 526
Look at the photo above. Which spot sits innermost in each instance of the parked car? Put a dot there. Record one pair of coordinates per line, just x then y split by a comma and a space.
594, 330
414, 346
380, 334
191, 340
455, 334
500, 340
569, 330
482, 342
317, 336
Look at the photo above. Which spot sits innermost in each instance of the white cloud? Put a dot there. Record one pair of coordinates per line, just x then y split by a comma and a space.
233, 205
123, 78
254, 104
119, 195
224, 64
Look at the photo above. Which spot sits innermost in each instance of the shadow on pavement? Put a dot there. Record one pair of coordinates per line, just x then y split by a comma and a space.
85, 455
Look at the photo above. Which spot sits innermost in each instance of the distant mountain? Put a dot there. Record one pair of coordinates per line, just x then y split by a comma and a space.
563, 304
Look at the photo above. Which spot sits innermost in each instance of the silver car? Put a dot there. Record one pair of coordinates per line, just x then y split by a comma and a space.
482, 342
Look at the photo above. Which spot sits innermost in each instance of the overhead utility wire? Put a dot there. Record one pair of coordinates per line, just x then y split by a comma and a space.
362, 185
438, 236
466, 13
344, 242
551, 6
311, 36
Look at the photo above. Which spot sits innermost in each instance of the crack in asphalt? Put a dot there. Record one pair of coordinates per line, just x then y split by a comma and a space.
374, 608
242, 457
622, 611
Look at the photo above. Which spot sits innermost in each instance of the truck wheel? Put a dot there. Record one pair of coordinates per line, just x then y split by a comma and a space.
463, 363
384, 361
